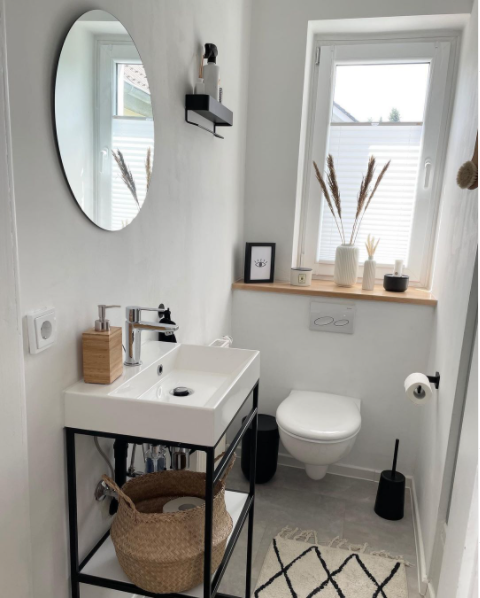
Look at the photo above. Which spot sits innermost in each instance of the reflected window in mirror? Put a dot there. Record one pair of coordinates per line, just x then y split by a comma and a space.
104, 120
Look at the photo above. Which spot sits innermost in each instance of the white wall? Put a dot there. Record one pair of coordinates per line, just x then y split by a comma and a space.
180, 250
15, 553
457, 244
277, 63
390, 341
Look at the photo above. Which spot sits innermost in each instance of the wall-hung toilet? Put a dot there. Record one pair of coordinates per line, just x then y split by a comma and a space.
318, 428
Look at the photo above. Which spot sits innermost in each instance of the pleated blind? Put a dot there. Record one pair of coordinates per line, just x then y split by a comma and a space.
391, 211
133, 137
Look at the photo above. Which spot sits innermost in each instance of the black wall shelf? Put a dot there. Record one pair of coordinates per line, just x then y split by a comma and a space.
208, 107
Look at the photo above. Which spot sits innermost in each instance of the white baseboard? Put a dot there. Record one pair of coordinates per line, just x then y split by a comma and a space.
348, 471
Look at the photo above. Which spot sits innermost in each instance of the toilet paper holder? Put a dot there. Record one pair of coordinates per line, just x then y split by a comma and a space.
435, 380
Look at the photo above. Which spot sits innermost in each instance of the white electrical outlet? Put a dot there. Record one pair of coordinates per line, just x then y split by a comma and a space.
332, 317
42, 329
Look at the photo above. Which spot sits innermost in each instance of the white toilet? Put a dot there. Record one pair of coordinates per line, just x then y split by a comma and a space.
318, 428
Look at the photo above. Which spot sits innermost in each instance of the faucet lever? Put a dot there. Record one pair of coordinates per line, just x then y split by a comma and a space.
134, 327
132, 312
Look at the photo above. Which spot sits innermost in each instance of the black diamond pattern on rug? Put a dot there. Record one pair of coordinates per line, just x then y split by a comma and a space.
285, 572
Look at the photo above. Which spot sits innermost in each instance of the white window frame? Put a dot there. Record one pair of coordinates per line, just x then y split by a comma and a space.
438, 110
110, 51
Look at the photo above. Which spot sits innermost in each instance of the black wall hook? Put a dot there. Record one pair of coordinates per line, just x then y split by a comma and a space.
435, 379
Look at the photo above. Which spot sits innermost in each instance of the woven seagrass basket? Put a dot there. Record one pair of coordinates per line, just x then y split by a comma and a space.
163, 552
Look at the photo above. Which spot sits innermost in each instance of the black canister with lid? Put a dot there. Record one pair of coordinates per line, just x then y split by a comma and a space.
268, 440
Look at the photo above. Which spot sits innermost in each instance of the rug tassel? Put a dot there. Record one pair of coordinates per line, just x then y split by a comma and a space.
289, 533
306, 536
386, 555
360, 548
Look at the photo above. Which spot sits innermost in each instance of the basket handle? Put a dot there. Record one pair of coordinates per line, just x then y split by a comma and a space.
229, 467
111, 484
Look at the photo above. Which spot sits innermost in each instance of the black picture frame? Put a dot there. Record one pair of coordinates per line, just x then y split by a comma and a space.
253, 251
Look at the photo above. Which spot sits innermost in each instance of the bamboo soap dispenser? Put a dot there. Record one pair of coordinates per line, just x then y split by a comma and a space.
102, 350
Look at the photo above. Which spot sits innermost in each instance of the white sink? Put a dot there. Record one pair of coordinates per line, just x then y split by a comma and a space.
141, 402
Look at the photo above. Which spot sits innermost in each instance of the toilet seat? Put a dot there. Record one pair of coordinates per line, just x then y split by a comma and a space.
319, 417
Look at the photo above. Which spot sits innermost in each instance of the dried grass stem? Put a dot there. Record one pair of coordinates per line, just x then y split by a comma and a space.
364, 199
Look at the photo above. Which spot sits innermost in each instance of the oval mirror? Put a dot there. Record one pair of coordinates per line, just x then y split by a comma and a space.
104, 120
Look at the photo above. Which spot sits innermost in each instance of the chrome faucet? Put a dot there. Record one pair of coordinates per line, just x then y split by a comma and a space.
134, 327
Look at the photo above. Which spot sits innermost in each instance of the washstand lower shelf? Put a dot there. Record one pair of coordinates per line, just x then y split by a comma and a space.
104, 565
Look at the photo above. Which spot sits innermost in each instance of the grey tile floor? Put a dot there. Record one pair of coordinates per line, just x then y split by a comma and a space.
334, 506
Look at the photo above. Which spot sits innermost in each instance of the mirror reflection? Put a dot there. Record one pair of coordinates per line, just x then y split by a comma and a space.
104, 120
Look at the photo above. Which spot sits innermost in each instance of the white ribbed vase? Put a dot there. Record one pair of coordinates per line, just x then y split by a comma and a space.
346, 265
369, 274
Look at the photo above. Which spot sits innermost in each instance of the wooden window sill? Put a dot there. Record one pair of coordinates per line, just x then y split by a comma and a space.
327, 288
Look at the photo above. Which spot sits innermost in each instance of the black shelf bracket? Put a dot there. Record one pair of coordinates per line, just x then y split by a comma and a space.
435, 380
209, 108
214, 132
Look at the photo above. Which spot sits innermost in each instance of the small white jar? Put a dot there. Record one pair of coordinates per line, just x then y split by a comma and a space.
301, 277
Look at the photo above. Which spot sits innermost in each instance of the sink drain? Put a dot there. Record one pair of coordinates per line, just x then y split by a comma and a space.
181, 391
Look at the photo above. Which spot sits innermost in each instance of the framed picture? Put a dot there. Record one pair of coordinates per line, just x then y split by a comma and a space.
259, 262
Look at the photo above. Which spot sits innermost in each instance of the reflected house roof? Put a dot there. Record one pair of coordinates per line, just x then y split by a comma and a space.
340, 115
135, 74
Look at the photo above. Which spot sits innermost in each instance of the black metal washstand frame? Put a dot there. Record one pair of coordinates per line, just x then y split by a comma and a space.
210, 585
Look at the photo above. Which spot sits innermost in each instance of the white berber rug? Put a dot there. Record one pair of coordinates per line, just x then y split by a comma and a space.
294, 569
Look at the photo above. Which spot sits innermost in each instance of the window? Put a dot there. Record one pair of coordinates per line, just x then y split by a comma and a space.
387, 99
125, 123
133, 91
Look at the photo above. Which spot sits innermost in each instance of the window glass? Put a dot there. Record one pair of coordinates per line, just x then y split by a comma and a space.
378, 110
380, 92
133, 91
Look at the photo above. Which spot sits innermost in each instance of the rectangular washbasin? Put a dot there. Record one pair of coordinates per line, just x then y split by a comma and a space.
183, 393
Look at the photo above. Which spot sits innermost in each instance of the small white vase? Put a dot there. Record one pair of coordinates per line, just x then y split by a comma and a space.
346, 265
369, 274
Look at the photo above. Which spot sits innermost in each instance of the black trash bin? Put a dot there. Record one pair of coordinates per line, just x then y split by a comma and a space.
268, 440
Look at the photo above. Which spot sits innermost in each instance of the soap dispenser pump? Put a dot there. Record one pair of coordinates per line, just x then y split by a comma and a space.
102, 350
211, 71
102, 324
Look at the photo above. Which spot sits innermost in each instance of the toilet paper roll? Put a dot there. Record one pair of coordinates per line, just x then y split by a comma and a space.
184, 503
418, 389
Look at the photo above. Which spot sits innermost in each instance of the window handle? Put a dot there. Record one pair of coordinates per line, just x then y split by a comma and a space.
103, 157
428, 169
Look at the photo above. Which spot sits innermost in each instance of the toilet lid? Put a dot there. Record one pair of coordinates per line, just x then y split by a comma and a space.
319, 416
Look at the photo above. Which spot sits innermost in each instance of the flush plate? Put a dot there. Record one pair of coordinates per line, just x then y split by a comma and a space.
332, 317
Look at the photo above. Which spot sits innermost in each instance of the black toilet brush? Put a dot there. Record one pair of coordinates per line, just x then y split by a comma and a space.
390, 501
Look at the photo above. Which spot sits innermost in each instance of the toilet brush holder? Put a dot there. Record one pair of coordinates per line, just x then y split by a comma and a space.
390, 501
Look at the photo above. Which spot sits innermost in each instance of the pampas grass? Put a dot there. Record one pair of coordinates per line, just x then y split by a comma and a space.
328, 200
371, 246
126, 173
148, 167
364, 199
333, 184
127, 176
